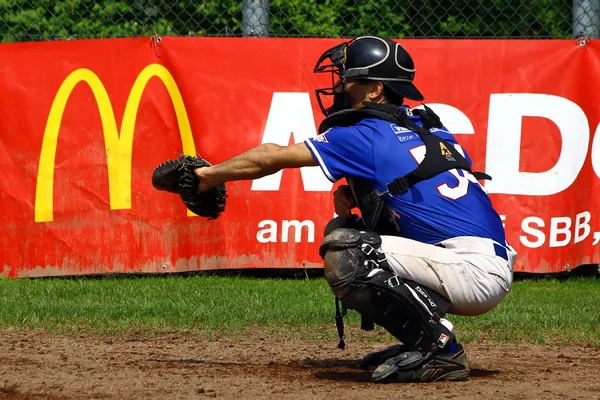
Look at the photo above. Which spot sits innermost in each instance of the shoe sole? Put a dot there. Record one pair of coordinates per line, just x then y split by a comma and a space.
460, 375
412, 377
430, 374
403, 362
379, 357
456, 376
380, 377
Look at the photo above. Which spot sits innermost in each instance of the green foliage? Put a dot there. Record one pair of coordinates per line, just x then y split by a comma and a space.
499, 18
23, 20
65, 19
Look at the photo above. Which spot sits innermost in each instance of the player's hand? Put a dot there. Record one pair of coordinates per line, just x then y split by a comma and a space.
205, 184
343, 201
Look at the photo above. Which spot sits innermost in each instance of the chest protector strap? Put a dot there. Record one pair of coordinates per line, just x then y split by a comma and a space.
370, 210
440, 156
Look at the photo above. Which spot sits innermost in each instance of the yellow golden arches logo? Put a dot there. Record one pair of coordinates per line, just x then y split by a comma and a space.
118, 143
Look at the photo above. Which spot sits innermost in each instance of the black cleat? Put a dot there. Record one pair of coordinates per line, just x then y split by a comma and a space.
372, 360
432, 367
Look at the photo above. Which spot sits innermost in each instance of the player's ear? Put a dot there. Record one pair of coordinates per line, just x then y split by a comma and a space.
376, 90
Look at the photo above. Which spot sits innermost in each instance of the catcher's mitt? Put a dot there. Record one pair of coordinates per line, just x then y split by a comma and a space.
177, 176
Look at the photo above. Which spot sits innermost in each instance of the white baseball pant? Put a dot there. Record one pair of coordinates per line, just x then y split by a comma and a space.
473, 273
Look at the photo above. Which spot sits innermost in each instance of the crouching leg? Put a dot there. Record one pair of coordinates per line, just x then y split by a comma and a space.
359, 276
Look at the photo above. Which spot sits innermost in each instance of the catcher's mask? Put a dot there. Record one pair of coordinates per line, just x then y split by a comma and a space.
365, 57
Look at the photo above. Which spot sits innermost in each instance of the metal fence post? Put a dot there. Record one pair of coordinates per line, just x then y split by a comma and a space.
586, 18
255, 18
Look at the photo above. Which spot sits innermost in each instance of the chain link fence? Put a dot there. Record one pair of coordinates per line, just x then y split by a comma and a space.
22, 20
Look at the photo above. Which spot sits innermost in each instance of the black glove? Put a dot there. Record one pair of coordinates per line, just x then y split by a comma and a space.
177, 176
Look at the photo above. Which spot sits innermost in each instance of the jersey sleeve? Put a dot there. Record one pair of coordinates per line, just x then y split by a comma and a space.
343, 152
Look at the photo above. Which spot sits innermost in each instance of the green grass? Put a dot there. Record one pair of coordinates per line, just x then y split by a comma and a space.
542, 312
538, 312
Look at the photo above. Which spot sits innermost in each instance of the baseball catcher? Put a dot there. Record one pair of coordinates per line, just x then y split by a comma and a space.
428, 241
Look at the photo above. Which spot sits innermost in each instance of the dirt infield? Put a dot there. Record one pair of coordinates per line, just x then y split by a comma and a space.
35, 365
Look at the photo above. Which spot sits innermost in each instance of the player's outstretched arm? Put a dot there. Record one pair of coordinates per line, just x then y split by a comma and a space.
255, 163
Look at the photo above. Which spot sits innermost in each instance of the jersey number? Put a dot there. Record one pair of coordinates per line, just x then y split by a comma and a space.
463, 177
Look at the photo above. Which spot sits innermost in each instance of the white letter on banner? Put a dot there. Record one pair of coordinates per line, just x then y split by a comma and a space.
291, 114
582, 223
596, 152
269, 234
285, 230
455, 120
527, 228
564, 230
504, 143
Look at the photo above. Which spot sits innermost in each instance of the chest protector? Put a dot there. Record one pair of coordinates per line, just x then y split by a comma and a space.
440, 156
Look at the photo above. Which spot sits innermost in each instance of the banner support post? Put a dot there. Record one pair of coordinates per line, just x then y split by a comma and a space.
586, 19
255, 18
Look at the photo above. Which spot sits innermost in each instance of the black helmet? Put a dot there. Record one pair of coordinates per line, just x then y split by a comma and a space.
369, 57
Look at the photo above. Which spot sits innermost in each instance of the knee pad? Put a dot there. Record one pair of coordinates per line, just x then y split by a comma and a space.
349, 256
359, 275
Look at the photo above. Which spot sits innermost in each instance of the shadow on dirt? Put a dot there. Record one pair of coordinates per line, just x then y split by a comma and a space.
363, 376
328, 363
483, 373
194, 361
345, 376
326, 369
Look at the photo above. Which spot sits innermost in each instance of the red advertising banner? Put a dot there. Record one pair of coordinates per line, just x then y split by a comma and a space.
84, 123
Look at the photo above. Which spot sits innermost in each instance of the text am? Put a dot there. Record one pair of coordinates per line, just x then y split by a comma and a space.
299, 231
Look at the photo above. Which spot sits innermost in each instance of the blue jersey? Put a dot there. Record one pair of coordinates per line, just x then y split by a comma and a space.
448, 205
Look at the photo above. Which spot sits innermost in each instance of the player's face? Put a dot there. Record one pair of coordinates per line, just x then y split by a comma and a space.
358, 92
